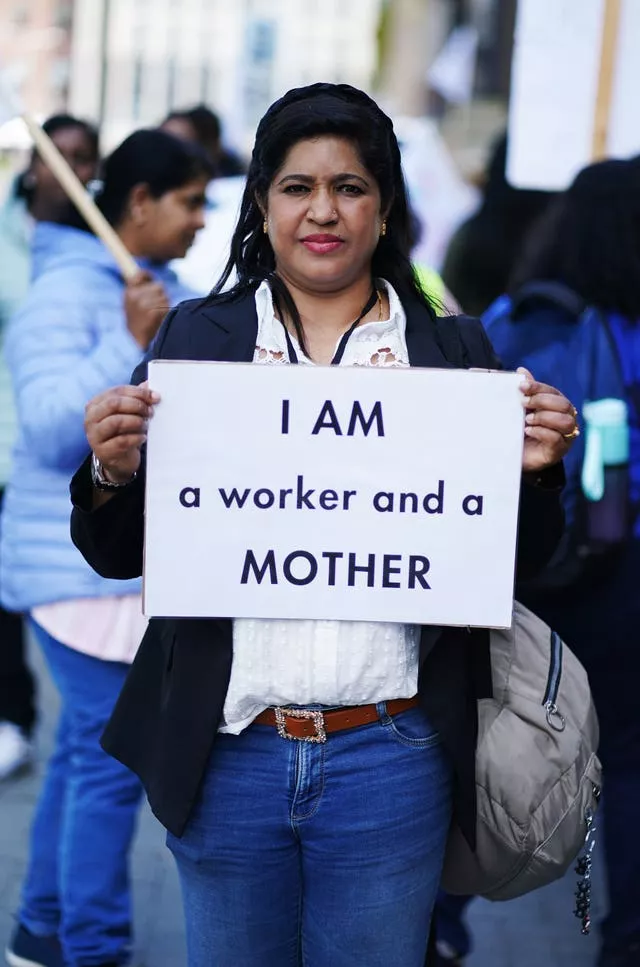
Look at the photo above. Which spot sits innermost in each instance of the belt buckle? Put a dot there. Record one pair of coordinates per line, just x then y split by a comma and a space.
314, 715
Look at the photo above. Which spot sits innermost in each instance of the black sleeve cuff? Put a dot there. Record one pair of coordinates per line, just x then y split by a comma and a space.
109, 537
553, 478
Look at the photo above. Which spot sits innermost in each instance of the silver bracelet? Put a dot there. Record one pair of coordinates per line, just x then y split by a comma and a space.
99, 480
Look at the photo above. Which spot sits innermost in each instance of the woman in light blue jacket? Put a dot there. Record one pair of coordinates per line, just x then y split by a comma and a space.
80, 331
34, 196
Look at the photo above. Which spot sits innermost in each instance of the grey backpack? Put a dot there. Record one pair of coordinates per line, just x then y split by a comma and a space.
537, 772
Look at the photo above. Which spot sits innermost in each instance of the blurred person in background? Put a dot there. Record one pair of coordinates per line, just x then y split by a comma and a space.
34, 195
80, 330
578, 277
585, 255
201, 124
484, 249
207, 258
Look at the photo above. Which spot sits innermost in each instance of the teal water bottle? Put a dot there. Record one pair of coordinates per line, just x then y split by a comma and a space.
605, 470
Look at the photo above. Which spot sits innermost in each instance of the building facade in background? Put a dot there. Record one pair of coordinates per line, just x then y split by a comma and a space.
35, 49
134, 60
126, 63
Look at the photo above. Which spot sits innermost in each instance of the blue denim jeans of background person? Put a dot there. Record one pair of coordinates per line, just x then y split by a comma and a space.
451, 929
77, 883
322, 855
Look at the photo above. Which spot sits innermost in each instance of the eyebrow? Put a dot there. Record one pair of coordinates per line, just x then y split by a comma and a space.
308, 179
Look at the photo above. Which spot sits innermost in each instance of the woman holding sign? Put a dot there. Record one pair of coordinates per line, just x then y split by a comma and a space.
306, 770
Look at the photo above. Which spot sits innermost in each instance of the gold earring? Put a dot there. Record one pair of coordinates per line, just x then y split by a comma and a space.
265, 227
383, 227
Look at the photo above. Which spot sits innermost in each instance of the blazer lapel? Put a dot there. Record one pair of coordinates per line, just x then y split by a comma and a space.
233, 328
421, 335
228, 332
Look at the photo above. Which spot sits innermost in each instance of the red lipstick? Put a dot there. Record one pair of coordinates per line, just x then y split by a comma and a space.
322, 243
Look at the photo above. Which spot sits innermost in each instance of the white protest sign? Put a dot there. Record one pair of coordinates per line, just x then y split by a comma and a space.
329, 492
574, 79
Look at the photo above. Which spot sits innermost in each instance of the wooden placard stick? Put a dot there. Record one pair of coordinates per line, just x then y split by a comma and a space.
80, 197
610, 31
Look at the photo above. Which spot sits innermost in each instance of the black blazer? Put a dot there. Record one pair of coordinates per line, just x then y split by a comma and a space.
165, 723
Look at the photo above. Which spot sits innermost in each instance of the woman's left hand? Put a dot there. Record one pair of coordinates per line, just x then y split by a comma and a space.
550, 425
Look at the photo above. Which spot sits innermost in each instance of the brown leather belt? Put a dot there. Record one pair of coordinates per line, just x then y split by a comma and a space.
311, 725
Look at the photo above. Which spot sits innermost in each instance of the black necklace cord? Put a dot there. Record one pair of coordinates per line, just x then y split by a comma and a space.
342, 345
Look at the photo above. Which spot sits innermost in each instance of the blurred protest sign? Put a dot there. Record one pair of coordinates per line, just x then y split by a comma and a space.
575, 77
14, 135
439, 196
452, 72
317, 492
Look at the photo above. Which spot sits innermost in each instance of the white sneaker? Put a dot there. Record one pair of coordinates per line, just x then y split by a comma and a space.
447, 954
16, 750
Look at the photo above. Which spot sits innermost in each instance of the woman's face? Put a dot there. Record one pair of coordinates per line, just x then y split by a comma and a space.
323, 214
167, 226
77, 148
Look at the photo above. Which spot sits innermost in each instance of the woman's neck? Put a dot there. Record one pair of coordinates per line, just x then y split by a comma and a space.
326, 316
129, 236
330, 313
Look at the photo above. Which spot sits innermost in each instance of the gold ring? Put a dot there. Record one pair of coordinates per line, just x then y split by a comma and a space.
574, 433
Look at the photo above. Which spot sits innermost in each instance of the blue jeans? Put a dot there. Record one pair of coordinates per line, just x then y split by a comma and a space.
316, 855
77, 883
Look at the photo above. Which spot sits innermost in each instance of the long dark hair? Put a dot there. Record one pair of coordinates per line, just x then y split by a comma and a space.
308, 112
153, 158
590, 239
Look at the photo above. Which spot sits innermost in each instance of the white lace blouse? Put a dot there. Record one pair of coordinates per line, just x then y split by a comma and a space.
294, 662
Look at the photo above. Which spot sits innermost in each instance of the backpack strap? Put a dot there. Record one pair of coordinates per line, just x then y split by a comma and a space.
606, 359
554, 293
497, 310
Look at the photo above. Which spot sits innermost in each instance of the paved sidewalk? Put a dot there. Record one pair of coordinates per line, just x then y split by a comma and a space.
537, 930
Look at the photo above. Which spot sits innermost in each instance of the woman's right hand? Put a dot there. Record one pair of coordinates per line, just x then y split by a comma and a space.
145, 304
116, 426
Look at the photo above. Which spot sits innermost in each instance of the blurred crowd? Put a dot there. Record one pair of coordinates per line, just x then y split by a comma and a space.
552, 276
